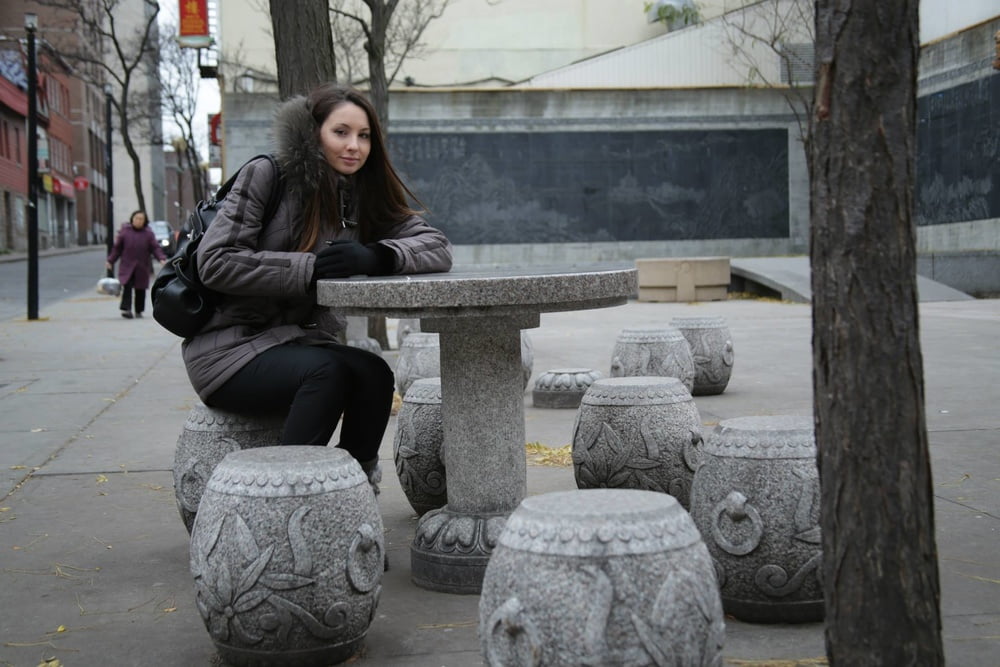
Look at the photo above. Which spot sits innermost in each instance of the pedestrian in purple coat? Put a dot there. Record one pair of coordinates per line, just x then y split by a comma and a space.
134, 244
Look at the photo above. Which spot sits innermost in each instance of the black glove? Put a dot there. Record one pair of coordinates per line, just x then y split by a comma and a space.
345, 258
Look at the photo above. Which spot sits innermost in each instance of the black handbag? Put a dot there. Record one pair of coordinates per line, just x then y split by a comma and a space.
181, 304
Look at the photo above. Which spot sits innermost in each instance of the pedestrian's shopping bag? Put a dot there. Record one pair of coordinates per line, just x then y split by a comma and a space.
109, 286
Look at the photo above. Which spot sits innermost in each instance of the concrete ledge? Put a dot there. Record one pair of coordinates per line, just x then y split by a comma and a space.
683, 278
974, 272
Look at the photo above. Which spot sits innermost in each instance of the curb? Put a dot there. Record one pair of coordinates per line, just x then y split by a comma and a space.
23, 256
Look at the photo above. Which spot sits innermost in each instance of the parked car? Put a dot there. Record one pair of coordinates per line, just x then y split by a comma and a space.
165, 236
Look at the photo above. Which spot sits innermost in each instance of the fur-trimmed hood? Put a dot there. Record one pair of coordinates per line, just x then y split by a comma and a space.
297, 148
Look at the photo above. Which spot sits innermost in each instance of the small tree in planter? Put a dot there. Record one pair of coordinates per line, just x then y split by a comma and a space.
672, 13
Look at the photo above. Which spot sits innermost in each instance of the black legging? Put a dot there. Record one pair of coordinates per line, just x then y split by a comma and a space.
315, 385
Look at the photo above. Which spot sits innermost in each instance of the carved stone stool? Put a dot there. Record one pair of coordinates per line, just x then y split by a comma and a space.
356, 335
712, 350
562, 387
755, 499
209, 434
404, 328
287, 555
659, 351
637, 433
527, 357
600, 577
417, 446
419, 357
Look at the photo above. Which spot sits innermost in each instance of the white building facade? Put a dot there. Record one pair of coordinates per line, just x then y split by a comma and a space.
579, 131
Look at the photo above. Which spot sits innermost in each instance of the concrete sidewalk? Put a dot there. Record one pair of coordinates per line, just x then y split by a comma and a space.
94, 566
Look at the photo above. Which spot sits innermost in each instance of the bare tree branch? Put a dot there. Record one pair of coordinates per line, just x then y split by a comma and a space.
104, 51
179, 77
773, 26
404, 27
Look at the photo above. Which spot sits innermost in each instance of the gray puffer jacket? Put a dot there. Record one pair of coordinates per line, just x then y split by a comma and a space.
267, 283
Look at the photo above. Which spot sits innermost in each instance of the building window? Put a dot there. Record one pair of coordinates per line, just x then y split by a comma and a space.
796, 62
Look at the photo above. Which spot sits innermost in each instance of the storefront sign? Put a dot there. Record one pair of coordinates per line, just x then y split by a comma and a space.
194, 32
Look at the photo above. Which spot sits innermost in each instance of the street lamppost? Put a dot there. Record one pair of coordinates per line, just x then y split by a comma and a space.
108, 176
30, 26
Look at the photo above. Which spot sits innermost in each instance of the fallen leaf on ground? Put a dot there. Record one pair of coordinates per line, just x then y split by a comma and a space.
438, 626
958, 481
540, 454
801, 662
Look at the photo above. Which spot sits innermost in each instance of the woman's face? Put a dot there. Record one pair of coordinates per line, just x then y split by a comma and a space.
139, 220
346, 138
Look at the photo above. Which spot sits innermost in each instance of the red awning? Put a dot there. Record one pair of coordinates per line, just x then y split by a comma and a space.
13, 97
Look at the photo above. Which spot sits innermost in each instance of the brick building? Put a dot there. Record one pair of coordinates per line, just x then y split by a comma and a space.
72, 192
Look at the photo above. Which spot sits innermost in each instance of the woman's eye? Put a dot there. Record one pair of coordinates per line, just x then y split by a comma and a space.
365, 135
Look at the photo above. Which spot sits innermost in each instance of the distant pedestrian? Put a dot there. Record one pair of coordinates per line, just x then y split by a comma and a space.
134, 244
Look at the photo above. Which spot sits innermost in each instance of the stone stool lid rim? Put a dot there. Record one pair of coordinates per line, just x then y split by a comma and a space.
285, 470
424, 390
763, 437
650, 334
652, 389
588, 522
701, 322
570, 371
203, 418
575, 380
421, 339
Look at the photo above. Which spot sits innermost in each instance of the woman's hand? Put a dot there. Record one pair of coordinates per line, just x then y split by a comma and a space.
345, 258
107, 265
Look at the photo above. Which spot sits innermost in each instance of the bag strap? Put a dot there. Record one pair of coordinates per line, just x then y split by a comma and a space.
277, 189
273, 201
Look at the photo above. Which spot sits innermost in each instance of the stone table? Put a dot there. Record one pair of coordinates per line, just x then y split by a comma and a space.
479, 315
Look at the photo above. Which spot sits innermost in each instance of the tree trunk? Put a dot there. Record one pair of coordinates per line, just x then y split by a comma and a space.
879, 554
381, 13
130, 149
303, 45
193, 167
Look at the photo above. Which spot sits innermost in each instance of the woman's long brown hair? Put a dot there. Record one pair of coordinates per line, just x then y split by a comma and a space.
380, 193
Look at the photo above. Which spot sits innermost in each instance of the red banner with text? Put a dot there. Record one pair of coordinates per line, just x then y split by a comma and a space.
194, 18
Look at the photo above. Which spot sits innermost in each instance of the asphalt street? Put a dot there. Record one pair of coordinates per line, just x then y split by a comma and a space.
59, 276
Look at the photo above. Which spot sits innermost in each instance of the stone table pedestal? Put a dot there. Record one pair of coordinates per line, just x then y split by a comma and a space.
479, 317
